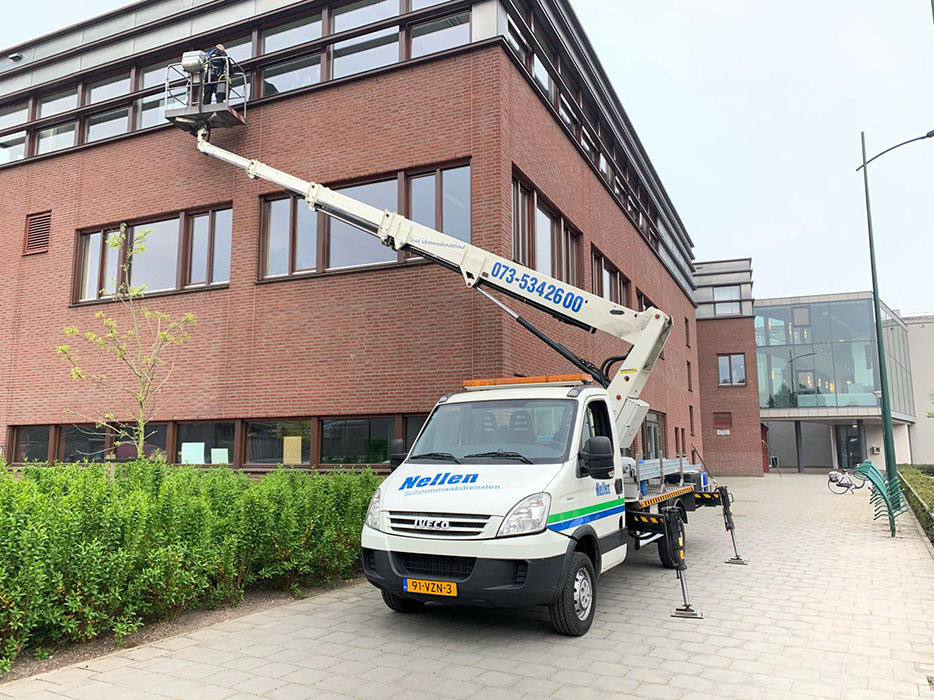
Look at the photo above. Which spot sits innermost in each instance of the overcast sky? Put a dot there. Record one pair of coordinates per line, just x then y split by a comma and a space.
751, 113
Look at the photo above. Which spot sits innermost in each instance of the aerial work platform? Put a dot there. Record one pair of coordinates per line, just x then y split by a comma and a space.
190, 86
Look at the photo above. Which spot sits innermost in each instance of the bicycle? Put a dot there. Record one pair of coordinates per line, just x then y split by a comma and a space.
840, 482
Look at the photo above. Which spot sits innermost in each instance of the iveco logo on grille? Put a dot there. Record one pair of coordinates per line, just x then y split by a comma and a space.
427, 524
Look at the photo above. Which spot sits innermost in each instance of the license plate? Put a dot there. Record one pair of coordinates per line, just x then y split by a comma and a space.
416, 585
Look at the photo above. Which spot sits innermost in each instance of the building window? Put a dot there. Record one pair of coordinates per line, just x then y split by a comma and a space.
723, 420
102, 126
439, 199
291, 240
447, 190
690, 378
108, 89
155, 442
691, 418
348, 246
732, 369
292, 75
727, 301
58, 103
684, 444
653, 436
31, 444
279, 442
543, 239
12, 147
687, 332
205, 443
83, 443
608, 282
363, 12
365, 53
208, 247
413, 424
440, 34
13, 115
56, 138
155, 267
207, 243
292, 34
356, 440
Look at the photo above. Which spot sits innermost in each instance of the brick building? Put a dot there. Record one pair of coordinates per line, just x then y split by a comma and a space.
490, 120
726, 373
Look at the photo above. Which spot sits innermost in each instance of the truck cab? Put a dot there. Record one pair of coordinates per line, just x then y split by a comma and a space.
511, 495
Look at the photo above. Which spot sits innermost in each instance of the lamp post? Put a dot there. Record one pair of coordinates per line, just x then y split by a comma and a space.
888, 438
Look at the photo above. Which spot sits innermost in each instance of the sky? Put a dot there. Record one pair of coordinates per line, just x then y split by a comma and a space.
751, 113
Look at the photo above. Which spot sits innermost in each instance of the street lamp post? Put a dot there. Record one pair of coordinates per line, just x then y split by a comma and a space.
888, 438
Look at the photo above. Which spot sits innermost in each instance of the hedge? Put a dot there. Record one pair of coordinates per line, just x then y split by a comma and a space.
918, 483
84, 550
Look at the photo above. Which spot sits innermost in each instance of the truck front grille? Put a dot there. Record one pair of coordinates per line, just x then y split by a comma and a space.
437, 524
436, 565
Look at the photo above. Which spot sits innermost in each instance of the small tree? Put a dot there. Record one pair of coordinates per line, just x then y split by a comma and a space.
139, 350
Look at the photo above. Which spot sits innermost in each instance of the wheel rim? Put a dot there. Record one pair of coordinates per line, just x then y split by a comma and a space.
583, 594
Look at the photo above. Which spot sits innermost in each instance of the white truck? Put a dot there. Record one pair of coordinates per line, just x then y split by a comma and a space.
517, 491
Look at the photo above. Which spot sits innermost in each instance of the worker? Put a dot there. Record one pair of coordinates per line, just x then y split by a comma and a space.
215, 74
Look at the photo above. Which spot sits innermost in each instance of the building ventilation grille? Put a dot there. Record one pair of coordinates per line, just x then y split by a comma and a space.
38, 233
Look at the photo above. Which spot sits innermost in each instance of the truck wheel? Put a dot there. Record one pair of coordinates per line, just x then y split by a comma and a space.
572, 614
400, 604
664, 553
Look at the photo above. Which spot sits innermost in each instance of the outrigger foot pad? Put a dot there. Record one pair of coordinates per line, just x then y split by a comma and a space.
737, 560
688, 612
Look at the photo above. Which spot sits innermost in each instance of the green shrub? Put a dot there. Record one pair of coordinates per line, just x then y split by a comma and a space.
84, 551
918, 487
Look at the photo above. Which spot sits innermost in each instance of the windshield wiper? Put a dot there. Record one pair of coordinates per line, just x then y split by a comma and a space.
438, 455
500, 454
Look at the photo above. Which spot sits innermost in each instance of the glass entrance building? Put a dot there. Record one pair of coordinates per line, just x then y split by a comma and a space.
819, 384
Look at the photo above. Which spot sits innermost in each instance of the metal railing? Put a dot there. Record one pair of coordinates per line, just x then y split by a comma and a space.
220, 78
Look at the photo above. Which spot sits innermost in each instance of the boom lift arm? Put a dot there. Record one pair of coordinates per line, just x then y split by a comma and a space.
646, 331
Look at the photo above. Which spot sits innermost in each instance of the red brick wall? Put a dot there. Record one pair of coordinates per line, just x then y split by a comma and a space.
342, 344
740, 452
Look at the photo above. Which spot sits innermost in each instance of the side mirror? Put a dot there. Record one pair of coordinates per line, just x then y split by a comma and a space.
397, 453
597, 459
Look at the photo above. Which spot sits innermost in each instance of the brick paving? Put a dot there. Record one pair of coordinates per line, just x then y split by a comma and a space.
829, 607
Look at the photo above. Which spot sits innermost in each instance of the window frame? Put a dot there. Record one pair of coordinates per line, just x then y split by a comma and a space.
621, 282
181, 261
403, 180
564, 235
729, 358
187, 236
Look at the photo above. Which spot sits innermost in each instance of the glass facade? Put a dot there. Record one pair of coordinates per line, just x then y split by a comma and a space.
824, 355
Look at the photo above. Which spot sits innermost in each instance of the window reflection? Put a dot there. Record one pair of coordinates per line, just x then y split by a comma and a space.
362, 12
155, 267
13, 147
292, 75
292, 34
349, 246
102, 126
440, 34
366, 52
108, 89
356, 441
56, 138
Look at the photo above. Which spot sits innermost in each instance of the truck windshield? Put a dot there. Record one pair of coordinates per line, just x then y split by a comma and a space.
536, 431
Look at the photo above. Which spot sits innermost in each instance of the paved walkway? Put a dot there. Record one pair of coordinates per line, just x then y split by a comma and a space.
829, 607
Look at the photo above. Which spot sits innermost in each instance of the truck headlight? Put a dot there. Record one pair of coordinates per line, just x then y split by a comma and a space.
373, 512
527, 516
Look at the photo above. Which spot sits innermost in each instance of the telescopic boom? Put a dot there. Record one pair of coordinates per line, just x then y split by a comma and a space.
646, 331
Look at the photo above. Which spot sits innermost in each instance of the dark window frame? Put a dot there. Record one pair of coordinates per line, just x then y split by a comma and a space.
729, 358
403, 205
565, 237
621, 283
181, 261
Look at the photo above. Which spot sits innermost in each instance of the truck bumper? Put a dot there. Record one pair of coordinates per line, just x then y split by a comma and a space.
489, 581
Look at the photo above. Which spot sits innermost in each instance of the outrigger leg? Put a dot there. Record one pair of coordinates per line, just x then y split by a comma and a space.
675, 539
726, 502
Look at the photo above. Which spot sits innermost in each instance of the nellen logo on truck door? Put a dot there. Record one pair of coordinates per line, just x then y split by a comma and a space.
446, 479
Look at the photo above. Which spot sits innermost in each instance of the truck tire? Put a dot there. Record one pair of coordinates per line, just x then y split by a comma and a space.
400, 604
664, 554
572, 614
